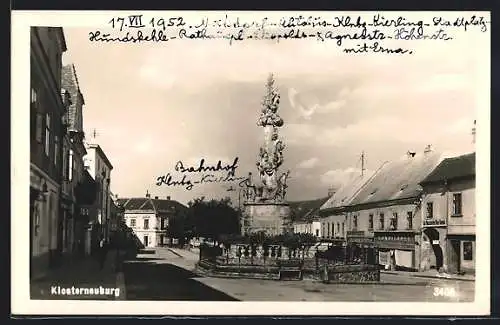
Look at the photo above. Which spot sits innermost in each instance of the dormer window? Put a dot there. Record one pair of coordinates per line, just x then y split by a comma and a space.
404, 187
374, 191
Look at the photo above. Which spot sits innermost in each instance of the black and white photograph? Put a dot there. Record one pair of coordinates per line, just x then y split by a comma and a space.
248, 157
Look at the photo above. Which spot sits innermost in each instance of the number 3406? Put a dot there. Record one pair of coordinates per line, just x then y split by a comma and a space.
444, 292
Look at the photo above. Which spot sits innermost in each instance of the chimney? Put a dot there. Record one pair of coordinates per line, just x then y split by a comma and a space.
428, 149
168, 197
411, 154
147, 194
156, 198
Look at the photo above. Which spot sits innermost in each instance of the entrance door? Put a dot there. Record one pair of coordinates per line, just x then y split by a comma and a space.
455, 256
146, 242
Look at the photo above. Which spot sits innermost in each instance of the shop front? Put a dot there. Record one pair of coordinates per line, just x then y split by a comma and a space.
461, 253
396, 250
361, 247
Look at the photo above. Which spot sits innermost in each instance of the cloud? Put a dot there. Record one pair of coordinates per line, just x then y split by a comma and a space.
307, 110
309, 163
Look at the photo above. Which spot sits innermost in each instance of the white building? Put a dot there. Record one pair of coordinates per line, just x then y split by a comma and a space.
150, 218
99, 167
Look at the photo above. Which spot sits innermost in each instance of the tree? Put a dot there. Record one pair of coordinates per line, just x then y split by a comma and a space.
212, 219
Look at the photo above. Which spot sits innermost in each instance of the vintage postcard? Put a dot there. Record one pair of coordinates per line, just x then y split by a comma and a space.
239, 163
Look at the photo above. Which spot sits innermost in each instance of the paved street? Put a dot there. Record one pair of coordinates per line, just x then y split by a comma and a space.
166, 274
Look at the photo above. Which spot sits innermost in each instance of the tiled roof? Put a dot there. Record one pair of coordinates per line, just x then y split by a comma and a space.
148, 204
453, 168
168, 206
70, 83
398, 179
346, 193
305, 210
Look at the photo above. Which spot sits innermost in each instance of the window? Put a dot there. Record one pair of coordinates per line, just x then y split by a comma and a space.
132, 223
84, 211
343, 230
457, 204
354, 222
56, 150
146, 223
394, 221
409, 218
382, 221
430, 210
468, 255
333, 229
34, 96
47, 134
317, 232
71, 165
370, 221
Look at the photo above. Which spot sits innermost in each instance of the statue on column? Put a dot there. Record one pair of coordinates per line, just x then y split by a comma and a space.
271, 187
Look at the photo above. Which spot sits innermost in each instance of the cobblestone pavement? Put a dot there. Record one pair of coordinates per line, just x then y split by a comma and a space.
167, 274
79, 273
393, 287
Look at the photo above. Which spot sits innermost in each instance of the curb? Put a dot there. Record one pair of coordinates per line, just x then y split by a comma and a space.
454, 278
175, 253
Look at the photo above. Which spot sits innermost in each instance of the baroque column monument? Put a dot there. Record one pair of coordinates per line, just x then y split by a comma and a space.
265, 208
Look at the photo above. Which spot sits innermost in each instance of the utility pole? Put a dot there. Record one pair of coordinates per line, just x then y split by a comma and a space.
474, 133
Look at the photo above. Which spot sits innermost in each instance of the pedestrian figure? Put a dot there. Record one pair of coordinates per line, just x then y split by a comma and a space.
101, 253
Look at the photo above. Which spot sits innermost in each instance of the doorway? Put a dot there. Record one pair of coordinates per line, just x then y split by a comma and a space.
146, 241
455, 256
433, 236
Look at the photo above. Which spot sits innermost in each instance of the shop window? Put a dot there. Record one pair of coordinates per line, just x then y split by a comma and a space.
430, 210
468, 251
457, 204
370, 222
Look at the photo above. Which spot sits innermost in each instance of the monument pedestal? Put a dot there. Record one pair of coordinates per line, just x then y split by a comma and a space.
267, 216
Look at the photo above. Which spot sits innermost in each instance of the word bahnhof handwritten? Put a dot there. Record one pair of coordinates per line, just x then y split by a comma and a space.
188, 183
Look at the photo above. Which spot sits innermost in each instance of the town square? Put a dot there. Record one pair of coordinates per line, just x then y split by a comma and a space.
256, 171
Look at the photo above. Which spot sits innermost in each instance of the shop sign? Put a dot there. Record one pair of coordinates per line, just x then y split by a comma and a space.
434, 222
395, 242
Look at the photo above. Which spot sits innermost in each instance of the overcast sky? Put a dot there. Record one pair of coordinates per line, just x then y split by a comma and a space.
153, 105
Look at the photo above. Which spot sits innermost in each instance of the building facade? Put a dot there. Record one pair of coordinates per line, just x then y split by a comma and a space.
73, 154
99, 167
150, 218
334, 212
449, 216
46, 132
387, 209
305, 216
